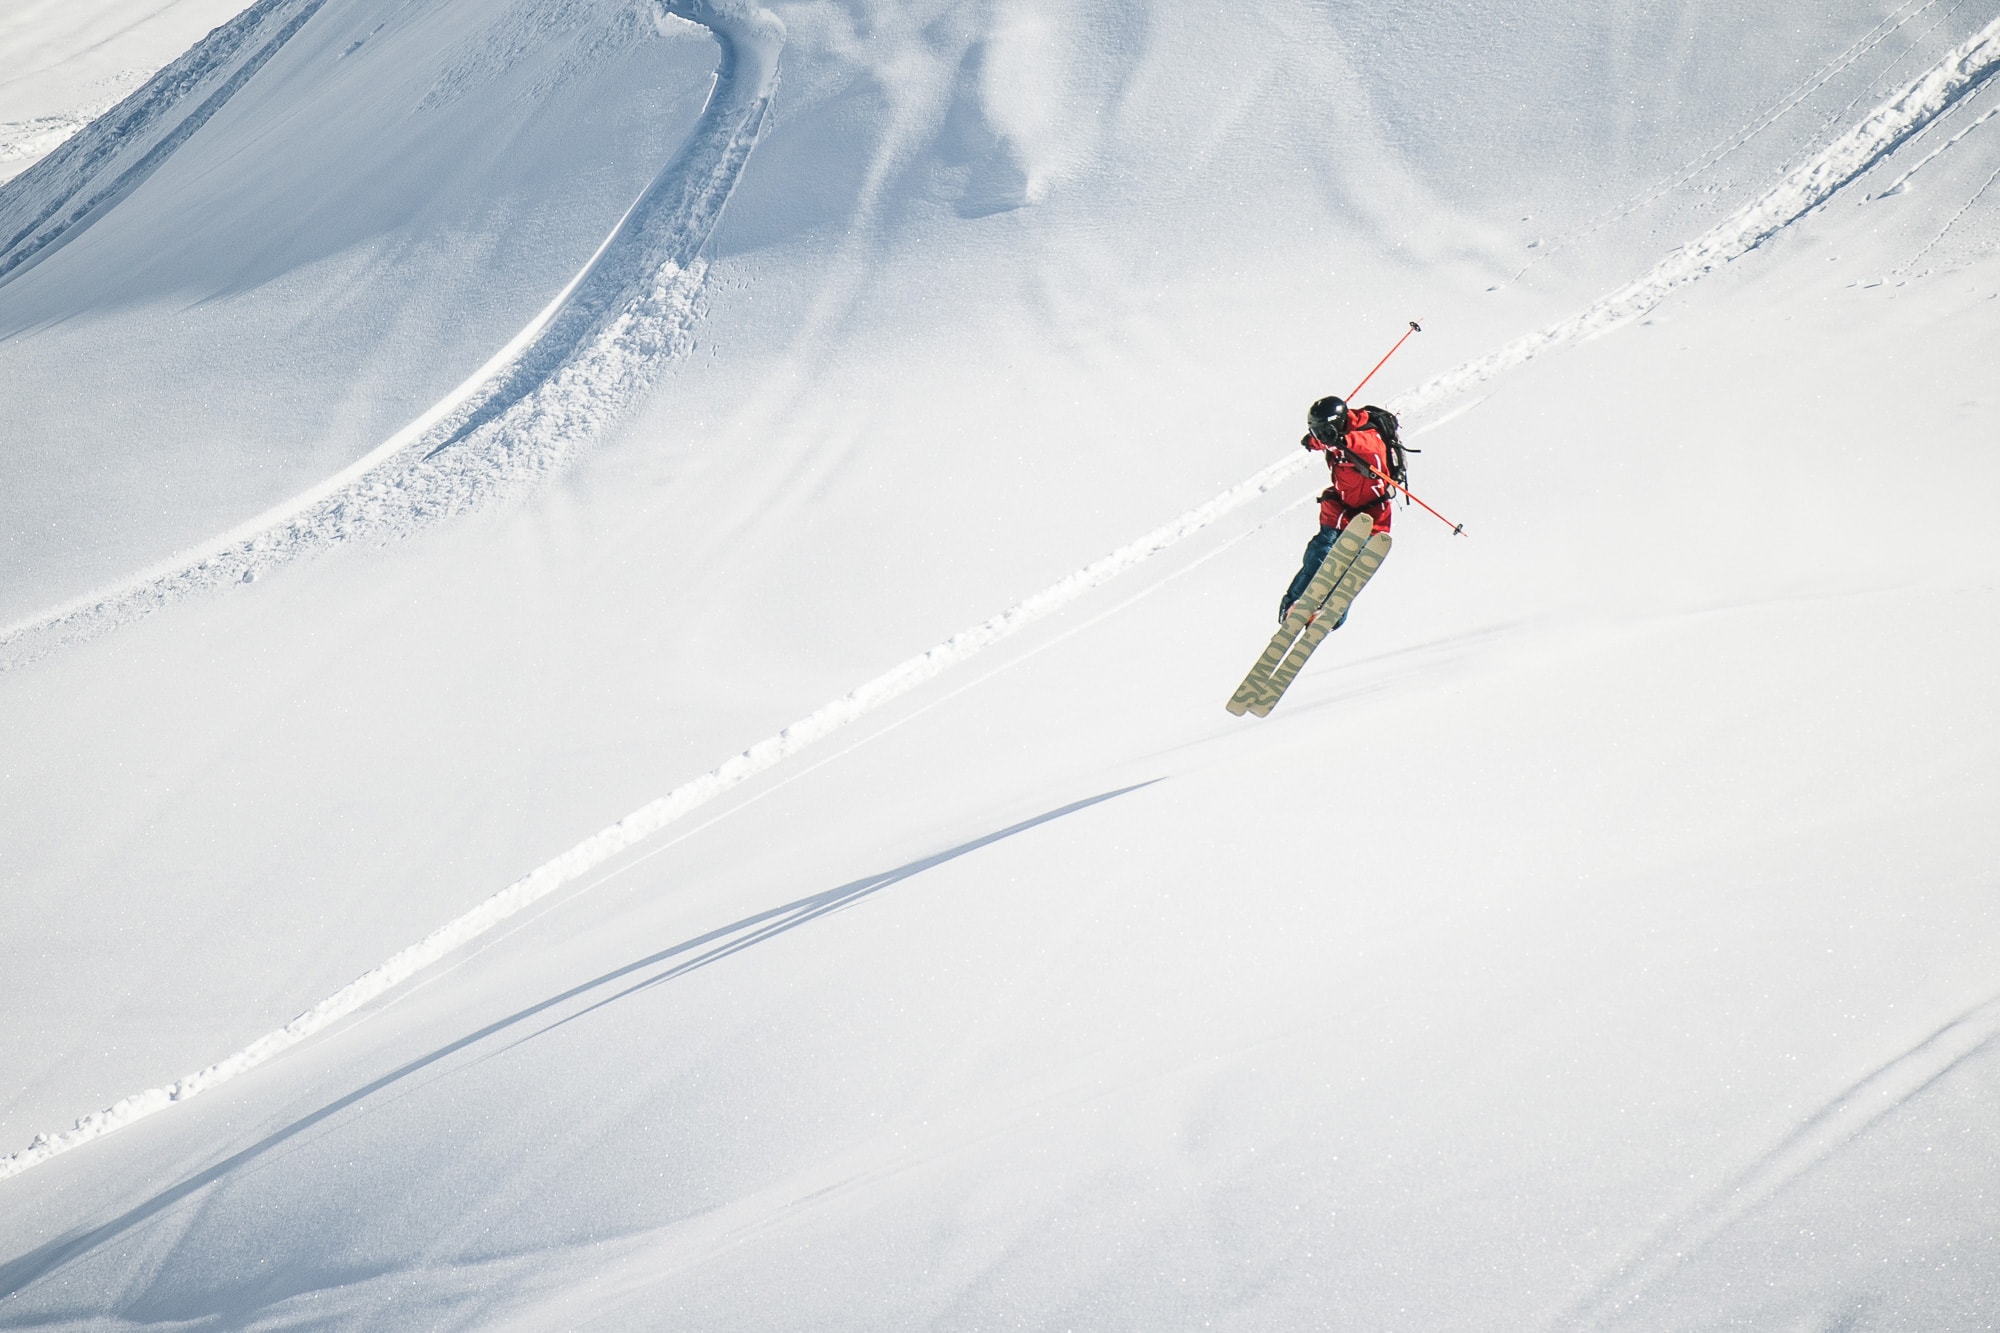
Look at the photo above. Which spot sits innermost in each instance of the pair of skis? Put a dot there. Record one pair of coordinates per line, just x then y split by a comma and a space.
1355, 557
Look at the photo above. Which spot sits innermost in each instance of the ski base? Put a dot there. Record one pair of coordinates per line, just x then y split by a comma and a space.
1322, 624
1346, 548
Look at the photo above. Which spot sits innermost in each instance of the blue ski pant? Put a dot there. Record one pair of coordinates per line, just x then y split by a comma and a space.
1316, 550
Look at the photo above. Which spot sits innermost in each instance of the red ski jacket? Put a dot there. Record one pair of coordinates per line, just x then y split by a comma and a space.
1353, 490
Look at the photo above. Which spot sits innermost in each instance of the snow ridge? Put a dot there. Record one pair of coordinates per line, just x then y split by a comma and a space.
519, 417
66, 191
1798, 193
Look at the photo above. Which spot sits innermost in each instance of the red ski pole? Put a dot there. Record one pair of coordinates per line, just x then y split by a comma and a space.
1457, 529
1414, 328
1349, 456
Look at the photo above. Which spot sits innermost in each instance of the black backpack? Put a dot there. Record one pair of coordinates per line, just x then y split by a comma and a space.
1383, 422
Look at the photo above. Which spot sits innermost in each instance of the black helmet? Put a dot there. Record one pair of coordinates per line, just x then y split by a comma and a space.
1327, 419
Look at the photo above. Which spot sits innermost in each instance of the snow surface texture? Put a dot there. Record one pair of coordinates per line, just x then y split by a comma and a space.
31, 140
1605, 1150
499, 388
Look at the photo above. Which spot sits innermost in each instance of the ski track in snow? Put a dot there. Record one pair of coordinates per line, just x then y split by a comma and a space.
1902, 182
42, 135
1716, 154
1910, 264
1803, 189
1798, 193
1848, 1115
518, 418
66, 191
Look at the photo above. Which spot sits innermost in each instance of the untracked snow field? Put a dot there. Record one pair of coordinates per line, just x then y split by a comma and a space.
614, 618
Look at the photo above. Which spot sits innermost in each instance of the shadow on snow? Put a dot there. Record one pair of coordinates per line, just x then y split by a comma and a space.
642, 974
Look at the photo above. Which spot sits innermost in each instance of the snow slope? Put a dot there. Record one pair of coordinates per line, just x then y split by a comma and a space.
436, 185
567, 372
1600, 936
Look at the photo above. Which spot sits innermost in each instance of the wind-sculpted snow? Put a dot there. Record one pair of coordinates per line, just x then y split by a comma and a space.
54, 200
517, 418
495, 429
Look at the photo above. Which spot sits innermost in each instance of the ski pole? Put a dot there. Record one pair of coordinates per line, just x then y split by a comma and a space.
1457, 529
1348, 455
1414, 328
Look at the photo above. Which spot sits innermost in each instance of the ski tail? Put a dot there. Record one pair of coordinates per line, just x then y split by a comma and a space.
1324, 581
1352, 581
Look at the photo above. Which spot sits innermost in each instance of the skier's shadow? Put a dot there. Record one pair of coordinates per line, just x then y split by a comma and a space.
17, 1274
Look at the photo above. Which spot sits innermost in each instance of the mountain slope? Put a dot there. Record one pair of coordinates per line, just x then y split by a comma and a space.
1611, 890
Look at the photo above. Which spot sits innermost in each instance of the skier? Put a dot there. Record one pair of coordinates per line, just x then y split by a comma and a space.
1359, 461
